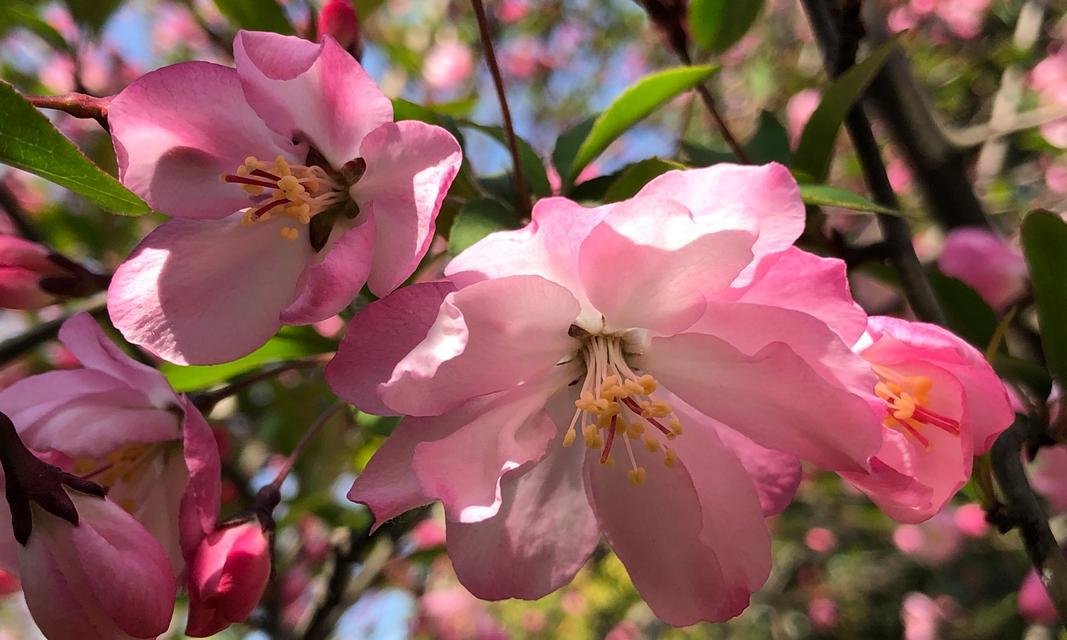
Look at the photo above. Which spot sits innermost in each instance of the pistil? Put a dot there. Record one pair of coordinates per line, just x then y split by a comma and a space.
906, 398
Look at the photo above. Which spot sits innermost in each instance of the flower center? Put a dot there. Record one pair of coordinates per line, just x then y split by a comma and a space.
906, 398
296, 192
616, 401
121, 465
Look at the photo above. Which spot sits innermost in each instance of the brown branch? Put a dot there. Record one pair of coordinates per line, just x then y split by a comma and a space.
509, 129
79, 105
18, 216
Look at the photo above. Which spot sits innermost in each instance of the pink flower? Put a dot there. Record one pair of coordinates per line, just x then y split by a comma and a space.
23, 267
823, 613
970, 520
1049, 79
820, 539
227, 577
1034, 604
338, 19
509, 11
934, 542
986, 263
119, 422
943, 405
105, 577
798, 111
668, 334
320, 193
921, 616
448, 65
454, 614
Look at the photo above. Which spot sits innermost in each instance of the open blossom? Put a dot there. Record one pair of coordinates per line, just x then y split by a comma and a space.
227, 577
105, 577
942, 405
986, 263
291, 188
626, 370
119, 421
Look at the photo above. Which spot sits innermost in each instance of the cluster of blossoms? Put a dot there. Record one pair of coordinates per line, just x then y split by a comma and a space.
652, 371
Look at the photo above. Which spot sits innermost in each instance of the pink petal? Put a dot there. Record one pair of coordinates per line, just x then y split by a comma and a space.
9, 547
986, 263
201, 497
205, 292
313, 91
410, 166
771, 396
668, 262
538, 540
178, 129
489, 336
29, 399
987, 401
798, 280
94, 350
463, 469
337, 276
764, 199
691, 537
378, 338
894, 487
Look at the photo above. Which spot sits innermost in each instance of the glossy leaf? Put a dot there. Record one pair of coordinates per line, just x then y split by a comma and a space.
477, 219
635, 176
1044, 239
30, 142
718, 25
827, 196
533, 169
255, 15
967, 313
567, 147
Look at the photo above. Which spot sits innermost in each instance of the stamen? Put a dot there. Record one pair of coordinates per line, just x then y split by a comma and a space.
905, 398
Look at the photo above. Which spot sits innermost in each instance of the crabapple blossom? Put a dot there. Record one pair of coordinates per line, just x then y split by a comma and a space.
291, 188
986, 263
942, 405
119, 421
338, 19
227, 577
648, 369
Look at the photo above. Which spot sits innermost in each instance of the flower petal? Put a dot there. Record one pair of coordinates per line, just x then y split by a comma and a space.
378, 338
410, 166
771, 396
541, 537
650, 271
692, 537
764, 199
315, 91
178, 129
205, 292
489, 336
202, 496
335, 279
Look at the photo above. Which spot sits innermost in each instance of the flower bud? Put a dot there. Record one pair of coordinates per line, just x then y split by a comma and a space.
227, 577
338, 19
32, 276
105, 577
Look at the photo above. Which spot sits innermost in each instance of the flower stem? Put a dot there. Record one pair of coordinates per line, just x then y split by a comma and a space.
509, 129
79, 105
308, 436
207, 400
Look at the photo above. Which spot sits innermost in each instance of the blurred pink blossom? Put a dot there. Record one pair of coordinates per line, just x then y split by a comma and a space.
921, 616
509, 11
798, 111
934, 542
1048, 475
454, 614
823, 613
448, 65
521, 57
820, 539
970, 520
1049, 79
1034, 604
985, 262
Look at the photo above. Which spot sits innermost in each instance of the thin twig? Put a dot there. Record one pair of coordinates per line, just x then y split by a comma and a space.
38, 334
509, 129
308, 436
79, 105
839, 48
980, 133
1023, 511
724, 130
207, 400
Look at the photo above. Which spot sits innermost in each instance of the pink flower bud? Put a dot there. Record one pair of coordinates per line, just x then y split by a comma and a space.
105, 577
23, 264
227, 577
1034, 603
338, 19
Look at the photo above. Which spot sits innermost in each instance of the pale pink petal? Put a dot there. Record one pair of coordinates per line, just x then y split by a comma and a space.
771, 396
648, 263
489, 336
1048, 474
410, 166
316, 92
463, 469
94, 350
378, 338
335, 278
893, 485
28, 399
985, 395
177, 130
201, 497
986, 263
205, 292
798, 280
761, 199
691, 537
538, 540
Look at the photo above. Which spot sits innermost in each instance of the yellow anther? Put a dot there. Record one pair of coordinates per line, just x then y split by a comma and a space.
651, 443
311, 184
246, 219
241, 171
670, 457
660, 409
648, 383
636, 476
609, 381
613, 392
675, 426
290, 183
290, 233
603, 421
570, 437
633, 388
251, 163
281, 167
636, 429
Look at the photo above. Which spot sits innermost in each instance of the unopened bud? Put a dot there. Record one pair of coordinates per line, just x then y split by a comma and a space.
227, 577
339, 20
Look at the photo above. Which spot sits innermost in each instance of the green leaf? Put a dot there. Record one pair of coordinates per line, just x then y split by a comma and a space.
1044, 238
635, 176
290, 343
967, 313
632, 106
816, 147
567, 147
718, 25
533, 169
825, 195
30, 142
770, 143
700, 156
477, 219
92, 13
255, 15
